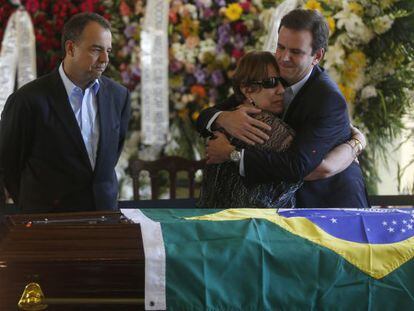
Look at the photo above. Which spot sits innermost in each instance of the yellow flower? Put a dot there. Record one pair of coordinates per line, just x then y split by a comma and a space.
356, 8
354, 67
313, 5
348, 93
183, 113
195, 115
233, 11
351, 74
356, 59
331, 24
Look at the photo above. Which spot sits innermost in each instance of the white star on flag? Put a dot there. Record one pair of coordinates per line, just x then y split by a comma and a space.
384, 223
394, 222
334, 220
409, 226
390, 229
402, 230
404, 221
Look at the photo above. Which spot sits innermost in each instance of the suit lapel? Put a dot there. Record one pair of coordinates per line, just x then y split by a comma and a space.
63, 109
296, 101
104, 120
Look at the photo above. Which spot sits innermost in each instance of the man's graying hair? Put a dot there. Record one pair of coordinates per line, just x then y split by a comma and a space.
74, 27
312, 21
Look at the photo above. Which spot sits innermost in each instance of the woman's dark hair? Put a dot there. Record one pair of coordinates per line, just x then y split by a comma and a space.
74, 27
253, 66
312, 21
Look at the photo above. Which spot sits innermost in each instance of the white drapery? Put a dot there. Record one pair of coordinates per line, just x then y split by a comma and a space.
277, 15
18, 54
154, 77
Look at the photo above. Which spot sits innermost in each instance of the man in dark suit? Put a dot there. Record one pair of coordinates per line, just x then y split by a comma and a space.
315, 109
61, 135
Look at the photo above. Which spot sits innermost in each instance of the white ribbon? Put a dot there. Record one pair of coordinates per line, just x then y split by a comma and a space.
277, 15
155, 264
18, 54
154, 68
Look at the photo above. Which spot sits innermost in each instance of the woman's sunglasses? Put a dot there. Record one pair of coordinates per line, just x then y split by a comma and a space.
271, 82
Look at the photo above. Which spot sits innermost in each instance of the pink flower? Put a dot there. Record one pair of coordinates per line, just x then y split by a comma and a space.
237, 53
124, 9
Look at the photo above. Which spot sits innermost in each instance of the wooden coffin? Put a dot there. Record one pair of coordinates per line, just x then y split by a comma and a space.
73, 255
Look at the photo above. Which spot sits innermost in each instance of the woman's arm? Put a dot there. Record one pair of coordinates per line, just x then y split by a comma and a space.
339, 158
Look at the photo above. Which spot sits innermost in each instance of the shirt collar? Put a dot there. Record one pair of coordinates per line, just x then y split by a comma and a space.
70, 86
298, 85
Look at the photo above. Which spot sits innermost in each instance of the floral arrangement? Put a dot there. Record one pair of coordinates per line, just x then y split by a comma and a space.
48, 18
206, 40
370, 56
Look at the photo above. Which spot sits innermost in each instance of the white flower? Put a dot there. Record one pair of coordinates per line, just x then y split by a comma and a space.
346, 41
191, 54
188, 9
258, 3
126, 192
207, 45
266, 17
372, 10
171, 147
359, 81
182, 54
206, 3
382, 24
368, 92
380, 70
178, 51
354, 26
335, 55
334, 74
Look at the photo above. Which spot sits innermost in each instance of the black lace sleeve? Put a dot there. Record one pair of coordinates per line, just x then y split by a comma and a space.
223, 187
281, 135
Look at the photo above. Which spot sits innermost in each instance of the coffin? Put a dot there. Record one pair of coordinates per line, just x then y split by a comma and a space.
73, 255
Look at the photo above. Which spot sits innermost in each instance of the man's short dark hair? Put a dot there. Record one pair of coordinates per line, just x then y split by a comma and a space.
76, 24
312, 21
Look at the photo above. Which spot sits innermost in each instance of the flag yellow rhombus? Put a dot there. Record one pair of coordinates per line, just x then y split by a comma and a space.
376, 260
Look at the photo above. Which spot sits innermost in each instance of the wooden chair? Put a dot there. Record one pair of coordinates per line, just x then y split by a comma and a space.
171, 164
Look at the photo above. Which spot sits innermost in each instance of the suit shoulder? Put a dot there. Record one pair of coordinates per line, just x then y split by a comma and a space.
37, 86
322, 82
108, 82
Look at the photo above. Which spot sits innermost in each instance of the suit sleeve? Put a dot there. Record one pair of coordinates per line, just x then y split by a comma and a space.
327, 127
16, 137
125, 116
208, 113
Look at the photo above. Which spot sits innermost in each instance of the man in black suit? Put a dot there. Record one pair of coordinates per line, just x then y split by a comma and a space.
316, 110
61, 135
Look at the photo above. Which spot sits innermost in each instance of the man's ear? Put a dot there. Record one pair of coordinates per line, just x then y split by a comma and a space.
318, 56
70, 48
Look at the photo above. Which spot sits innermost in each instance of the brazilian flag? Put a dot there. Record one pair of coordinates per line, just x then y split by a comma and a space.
263, 259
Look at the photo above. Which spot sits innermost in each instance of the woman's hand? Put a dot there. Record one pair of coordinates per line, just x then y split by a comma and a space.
357, 134
218, 149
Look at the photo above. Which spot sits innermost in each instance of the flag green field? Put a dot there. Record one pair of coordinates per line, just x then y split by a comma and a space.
218, 262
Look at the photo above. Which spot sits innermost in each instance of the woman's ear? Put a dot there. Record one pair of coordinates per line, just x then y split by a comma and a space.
247, 91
